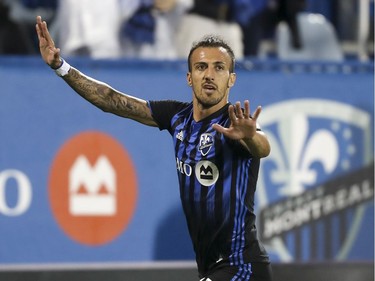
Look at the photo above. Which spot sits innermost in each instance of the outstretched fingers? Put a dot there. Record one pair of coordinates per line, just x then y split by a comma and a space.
256, 113
247, 109
44, 33
240, 113
247, 112
50, 54
232, 111
236, 113
39, 30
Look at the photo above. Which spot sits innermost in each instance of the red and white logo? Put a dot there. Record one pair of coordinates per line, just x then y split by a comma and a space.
93, 188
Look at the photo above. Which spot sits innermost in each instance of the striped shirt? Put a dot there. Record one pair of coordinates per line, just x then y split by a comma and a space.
217, 178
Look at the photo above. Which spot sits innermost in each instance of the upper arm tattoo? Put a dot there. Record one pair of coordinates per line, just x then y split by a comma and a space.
108, 99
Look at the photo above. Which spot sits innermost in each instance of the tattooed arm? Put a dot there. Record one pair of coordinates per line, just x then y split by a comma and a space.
108, 99
98, 93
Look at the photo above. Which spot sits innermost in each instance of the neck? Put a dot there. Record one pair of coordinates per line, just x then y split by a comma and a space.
200, 111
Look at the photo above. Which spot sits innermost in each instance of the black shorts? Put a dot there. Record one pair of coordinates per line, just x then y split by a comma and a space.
257, 271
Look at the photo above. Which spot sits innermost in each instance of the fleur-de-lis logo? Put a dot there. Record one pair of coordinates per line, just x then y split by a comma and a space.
312, 141
303, 150
205, 143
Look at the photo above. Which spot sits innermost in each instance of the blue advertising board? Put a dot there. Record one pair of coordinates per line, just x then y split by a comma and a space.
78, 185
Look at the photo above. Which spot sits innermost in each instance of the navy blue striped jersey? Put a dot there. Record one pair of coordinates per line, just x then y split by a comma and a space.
217, 178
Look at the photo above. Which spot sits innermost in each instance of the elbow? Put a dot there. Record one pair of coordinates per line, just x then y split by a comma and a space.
266, 151
264, 146
261, 152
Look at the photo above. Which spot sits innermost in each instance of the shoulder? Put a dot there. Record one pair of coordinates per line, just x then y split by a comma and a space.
163, 111
167, 104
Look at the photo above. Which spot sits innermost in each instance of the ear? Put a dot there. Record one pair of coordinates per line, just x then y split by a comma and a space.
232, 80
188, 78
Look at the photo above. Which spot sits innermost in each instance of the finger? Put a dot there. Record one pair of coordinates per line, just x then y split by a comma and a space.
256, 113
57, 53
218, 128
38, 20
232, 113
239, 113
46, 34
38, 27
247, 109
38, 32
39, 24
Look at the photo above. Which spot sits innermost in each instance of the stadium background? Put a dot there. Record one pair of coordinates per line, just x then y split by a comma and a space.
319, 117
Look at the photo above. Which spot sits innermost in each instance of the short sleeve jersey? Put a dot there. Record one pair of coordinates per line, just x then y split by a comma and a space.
217, 178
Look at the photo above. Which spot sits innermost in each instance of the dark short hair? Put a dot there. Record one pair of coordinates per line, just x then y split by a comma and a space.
212, 41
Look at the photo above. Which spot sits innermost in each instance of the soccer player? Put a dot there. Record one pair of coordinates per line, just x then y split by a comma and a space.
218, 147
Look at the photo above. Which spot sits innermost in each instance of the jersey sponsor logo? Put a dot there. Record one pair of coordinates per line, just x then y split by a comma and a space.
206, 173
92, 188
206, 141
312, 189
183, 168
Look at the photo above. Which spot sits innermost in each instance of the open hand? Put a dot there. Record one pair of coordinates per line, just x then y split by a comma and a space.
50, 54
243, 125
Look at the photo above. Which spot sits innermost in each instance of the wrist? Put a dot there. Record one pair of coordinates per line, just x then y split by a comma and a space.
58, 65
63, 69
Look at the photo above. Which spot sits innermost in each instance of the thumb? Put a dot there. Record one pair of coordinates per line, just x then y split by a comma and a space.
218, 128
57, 53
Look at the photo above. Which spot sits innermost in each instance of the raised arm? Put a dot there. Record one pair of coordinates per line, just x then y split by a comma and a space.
98, 93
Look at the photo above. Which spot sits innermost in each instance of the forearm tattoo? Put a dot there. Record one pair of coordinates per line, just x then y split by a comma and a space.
107, 99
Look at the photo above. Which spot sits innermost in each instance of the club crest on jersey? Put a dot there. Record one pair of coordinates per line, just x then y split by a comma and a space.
205, 143
180, 136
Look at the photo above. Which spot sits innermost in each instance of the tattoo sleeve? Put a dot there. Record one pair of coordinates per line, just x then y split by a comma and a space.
108, 99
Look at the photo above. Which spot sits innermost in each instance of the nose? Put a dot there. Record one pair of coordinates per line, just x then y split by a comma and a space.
209, 74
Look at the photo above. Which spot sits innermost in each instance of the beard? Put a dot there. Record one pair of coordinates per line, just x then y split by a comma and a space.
206, 102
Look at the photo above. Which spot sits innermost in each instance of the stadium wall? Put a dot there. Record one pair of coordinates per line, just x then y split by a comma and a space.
59, 156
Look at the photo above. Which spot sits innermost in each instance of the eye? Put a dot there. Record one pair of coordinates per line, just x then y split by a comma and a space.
220, 67
200, 67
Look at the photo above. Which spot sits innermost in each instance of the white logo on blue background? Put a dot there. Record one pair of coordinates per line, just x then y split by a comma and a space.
205, 143
313, 141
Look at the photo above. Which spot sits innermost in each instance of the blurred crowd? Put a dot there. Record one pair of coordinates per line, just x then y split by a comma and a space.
165, 29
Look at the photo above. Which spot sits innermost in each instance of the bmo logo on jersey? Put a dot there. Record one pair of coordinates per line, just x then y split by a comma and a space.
92, 188
205, 171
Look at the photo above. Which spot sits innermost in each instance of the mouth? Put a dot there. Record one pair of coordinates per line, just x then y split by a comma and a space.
209, 88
